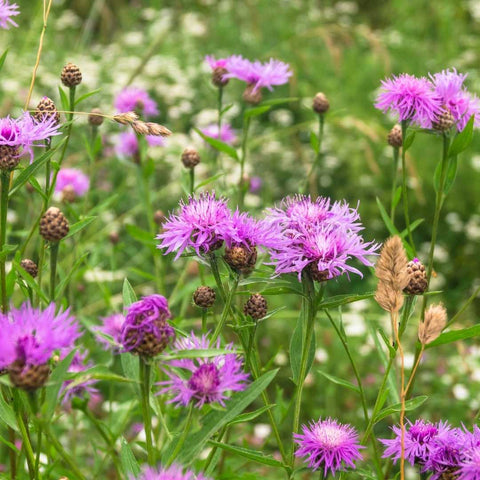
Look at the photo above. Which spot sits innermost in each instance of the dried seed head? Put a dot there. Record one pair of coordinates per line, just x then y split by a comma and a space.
417, 276
125, 118
28, 377
9, 157
71, 75
320, 103
95, 118
241, 259
140, 127
53, 225
256, 306
157, 129
391, 271
29, 266
204, 297
217, 77
252, 96
435, 321
45, 110
444, 121
394, 137
159, 217
190, 158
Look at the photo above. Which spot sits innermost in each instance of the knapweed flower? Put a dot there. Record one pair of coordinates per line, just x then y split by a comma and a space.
216, 63
133, 99
219, 70
410, 98
419, 441
318, 236
127, 143
7, 11
469, 467
72, 183
111, 327
205, 380
202, 224
226, 135
328, 445
75, 388
174, 472
28, 339
454, 97
146, 330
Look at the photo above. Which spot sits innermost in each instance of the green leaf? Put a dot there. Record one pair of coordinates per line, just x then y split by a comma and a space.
315, 144
254, 455
220, 146
215, 419
54, 384
462, 141
455, 335
279, 101
195, 353
256, 111
7, 249
65, 281
296, 348
340, 381
451, 174
436, 176
397, 196
247, 417
128, 293
338, 300
411, 404
409, 140
76, 227
413, 226
386, 219
29, 280
209, 180
3, 57
127, 459
7, 415
64, 99
141, 235
87, 95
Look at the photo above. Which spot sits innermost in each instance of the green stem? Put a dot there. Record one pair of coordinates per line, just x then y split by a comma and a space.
192, 181
464, 307
216, 275
226, 311
213, 451
219, 125
144, 370
243, 159
394, 183
181, 440
204, 320
309, 332
404, 186
53, 268
22, 426
5, 184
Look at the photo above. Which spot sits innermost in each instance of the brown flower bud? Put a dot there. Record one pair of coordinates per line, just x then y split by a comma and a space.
29, 266
320, 103
190, 158
95, 118
444, 121
256, 306
241, 258
217, 77
46, 109
394, 137
53, 225
71, 75
204, 297
9, 157
252, 94
417, 276
28, 377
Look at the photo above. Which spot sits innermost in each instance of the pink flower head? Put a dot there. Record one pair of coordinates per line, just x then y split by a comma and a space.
127, 143
136, 99
248, 232
7, 11
30, 336
227, 135
206, 380
329, 445
214, 63
411, 98
453, 95
174, 472
74, 179
112, 327
203, 223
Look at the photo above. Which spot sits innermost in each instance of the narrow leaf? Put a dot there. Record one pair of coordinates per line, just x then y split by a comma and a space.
455, 335
451, 174
462, 141
87, 95
127, 459
247, 417
76, 227
256, 111
7, 415
338, 300
409, 140
3, 57
411, 404
141, 235
219, 145
386, 218
128, 293
340, 381
315, 144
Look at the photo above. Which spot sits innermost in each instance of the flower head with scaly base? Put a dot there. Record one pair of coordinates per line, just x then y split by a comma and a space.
205, 380
132, 99
317, 236
419, 441
329, 445
454, 96
202, 224
72, 179
411, 98
174, 472
7, 11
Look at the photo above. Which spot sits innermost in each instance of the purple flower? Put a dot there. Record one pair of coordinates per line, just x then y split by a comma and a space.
29, 336
419, 441
174, 472
127, 143
202, 224
227, 134
145, 330
258, 74
136, 99
411, 98
214, 63
7, 11
329, 445
112, 327
72, 179
206, 380
74, 388
255, 184
318, 236
469, 467
453, 95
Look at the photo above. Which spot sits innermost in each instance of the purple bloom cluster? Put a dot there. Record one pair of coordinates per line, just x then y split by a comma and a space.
29, 336
318, 235
136, 99
72, 179
174, 472
422, 101
7, 11
438, 449
226, 134
329, 445
209, 379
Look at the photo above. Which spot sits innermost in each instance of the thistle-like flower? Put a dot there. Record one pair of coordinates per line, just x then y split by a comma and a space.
7, 11
136, 99
174, 472
72, 183
328, 445
204, 380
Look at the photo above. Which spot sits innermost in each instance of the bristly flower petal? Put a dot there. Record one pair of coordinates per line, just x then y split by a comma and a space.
7, 11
